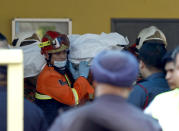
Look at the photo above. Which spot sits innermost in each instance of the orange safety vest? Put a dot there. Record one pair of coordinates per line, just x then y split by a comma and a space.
54, 85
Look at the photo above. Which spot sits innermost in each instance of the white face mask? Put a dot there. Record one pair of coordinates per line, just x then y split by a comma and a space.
60, 64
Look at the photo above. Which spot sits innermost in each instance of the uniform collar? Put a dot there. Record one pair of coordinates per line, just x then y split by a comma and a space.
156, 75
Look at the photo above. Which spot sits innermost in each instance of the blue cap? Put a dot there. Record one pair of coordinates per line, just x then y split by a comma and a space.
117, 68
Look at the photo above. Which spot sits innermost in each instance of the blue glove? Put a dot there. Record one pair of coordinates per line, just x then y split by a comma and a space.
83, 69
74, 72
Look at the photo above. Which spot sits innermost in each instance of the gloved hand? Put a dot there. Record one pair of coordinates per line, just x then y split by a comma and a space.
74, 72
83, 69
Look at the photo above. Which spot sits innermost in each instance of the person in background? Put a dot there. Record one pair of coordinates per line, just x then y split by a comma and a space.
33, 61
164, 107
113, 78
34, 119
3, 42
55, 87
151, 46
169, 69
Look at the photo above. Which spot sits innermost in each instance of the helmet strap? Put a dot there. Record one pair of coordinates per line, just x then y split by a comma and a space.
49, 59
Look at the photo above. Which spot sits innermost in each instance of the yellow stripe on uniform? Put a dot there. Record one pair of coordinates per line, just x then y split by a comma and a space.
75, 95
42, 97
69, 84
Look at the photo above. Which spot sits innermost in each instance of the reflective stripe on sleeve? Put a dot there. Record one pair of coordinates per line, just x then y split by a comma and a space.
75, 95
42, 97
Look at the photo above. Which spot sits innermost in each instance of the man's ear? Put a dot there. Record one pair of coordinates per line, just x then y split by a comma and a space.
94, 83
47, 56
141, 64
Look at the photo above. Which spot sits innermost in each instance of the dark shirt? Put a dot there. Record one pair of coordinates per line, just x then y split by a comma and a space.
106, 113
51, 109
154, 84
34, 119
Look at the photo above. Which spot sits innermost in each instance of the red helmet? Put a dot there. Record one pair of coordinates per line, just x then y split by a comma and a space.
53, 42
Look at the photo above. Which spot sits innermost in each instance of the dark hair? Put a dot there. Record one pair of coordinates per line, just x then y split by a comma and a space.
167, 58
175, 53
152, 53
2, 37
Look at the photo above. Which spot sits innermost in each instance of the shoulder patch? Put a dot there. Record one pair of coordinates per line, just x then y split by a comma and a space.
62, 83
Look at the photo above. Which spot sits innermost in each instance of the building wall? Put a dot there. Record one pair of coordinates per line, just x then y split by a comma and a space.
88, 16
